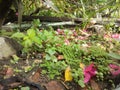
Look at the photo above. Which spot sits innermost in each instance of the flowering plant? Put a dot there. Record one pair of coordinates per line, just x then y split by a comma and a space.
89, 72
114, 69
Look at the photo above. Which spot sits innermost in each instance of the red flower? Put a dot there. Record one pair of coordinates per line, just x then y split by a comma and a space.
89, 72
114, 69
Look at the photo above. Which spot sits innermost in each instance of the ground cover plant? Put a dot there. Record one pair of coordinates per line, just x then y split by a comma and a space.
73, 55
80, 58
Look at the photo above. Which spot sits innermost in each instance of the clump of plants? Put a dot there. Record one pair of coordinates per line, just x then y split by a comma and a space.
68, 54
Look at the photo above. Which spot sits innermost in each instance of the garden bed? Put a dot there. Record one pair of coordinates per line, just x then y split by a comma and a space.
69, 59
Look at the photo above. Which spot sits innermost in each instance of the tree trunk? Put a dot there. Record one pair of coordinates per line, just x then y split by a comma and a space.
1, 22
4, 8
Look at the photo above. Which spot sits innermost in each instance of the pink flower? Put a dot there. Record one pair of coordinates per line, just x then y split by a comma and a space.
81, 38
113, 66
59, 31
67, 42
89, 72
114, 69
117, 36
75, 33
16, 14
85, 30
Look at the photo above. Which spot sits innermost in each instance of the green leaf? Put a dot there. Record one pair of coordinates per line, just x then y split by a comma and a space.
27, 43
31, 33
114, 55
81, 83
15, 57
25, 38
18, 35
54, 59
47, 57
44, 71
51, 51
36, 22
25, 88
36, 40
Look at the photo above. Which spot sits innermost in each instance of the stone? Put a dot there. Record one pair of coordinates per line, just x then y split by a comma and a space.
8, 47
118, 88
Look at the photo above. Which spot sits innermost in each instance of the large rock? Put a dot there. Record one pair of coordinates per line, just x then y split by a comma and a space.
8, 47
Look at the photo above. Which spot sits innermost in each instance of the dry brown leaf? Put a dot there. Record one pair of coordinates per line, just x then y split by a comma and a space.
94, 85
9, 72
15, 84
54, 85
1, 87
35, 78
60, 57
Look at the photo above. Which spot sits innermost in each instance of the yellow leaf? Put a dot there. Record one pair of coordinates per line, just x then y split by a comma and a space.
68, 74
82, 65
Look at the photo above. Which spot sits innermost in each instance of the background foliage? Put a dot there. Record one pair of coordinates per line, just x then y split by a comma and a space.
73, 8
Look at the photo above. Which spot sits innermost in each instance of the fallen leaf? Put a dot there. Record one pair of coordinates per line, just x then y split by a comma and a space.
68, 74
67, 42
60, 57
36, 76
82, 65
3, 71
54, 85
9, 72
15, 84
1, 87
94, 85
